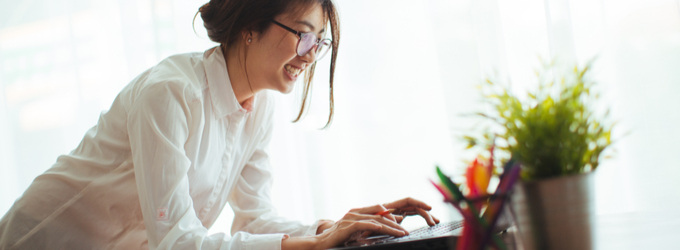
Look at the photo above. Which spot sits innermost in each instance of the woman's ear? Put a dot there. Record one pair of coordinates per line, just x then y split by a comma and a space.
249, 37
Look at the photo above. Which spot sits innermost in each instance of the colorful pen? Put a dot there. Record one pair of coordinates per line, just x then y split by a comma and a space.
386, 212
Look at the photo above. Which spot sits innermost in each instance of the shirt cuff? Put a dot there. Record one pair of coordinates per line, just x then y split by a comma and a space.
263, 241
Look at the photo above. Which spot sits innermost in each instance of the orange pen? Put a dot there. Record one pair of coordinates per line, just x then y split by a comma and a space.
389, 211
386, 212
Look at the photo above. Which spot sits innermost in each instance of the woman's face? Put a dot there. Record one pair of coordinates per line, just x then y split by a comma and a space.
272, 61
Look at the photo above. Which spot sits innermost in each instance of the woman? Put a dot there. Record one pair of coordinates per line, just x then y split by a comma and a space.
188, 136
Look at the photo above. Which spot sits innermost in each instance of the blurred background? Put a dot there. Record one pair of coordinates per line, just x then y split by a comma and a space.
407, 70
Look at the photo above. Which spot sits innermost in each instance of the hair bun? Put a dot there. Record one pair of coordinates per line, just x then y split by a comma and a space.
207, 12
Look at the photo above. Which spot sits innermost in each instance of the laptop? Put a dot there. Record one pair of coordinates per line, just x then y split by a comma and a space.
441, 236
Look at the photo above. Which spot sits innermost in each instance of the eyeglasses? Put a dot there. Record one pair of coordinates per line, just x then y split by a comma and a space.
307, 41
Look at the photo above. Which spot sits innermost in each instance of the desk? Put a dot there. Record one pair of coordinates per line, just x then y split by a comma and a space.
638, 230
634, 231
646, 230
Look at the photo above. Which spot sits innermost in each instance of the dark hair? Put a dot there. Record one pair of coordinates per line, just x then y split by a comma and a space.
226, 20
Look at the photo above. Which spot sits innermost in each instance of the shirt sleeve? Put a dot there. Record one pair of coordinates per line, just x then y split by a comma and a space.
251, 197
158, 128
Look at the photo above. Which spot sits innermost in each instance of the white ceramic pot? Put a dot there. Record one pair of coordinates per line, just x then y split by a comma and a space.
555, 213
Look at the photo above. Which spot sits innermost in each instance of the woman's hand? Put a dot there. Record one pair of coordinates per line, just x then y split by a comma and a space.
410, 206
357, 220
323, 225
365, 220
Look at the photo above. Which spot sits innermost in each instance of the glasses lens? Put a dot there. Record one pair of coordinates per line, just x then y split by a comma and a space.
322, 49
307, 41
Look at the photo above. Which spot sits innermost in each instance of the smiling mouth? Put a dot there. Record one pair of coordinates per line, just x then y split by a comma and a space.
293, 71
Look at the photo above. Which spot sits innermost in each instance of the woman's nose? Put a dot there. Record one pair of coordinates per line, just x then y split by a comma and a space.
311, 54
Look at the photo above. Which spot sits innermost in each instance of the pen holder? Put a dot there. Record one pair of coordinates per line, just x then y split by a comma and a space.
478, 228
482, 215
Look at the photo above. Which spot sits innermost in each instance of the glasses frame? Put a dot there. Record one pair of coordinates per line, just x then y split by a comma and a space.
299, 34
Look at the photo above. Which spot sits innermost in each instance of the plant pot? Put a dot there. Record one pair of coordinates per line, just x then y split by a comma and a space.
555, 213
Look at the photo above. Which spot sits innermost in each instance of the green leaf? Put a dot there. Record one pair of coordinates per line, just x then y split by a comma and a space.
457, 195
553, 129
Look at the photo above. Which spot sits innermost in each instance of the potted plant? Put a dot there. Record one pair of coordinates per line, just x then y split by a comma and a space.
558, 138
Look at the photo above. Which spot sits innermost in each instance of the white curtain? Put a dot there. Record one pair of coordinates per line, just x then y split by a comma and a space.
406, 72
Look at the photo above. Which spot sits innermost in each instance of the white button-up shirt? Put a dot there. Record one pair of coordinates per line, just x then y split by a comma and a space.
158, 168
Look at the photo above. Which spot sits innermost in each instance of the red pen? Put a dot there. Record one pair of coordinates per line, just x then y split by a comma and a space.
386, 212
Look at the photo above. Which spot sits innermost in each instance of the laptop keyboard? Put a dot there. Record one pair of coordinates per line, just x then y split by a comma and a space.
427, 231
424, 232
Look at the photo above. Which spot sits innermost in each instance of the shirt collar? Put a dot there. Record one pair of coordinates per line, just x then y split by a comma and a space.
222, 94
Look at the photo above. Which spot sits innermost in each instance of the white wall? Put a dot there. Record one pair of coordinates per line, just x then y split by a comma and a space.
406, 71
